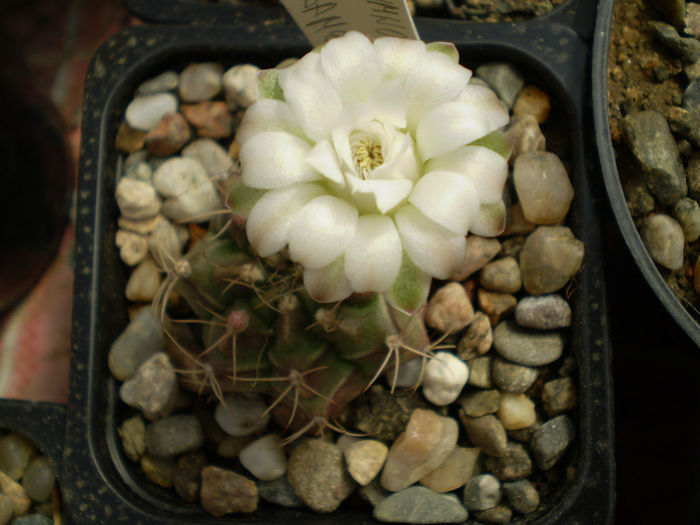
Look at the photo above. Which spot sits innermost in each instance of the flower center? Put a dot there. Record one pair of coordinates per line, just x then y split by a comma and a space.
366, 150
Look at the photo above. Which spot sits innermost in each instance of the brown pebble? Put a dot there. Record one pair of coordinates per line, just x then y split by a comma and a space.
129, 139
169, 136
486, 432
450, 309
224, 492
532, 101
477, 339
212, 119
496, 305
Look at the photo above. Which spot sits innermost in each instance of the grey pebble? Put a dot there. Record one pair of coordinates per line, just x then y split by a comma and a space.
133, 434
514, 464
32, 519
525, 346
501, 513
153, 388
501, 275
7, 509
480, 371
522, 495
142, 338
687, 48
477, 403
279, 492
524, 435
652, 143
200, 82
664, 239
692, 18
640, 201
544, 312
512, 377
477, 338
173, 436
559, 395
687, 212
216, 161
420, 505
551, 440
693, 174
486, 432
167, 81
39, 478
15, 453
504, 79
550, 257
691, 96
482, 492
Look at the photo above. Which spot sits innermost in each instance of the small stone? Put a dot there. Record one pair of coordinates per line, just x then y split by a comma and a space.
559, 395
673, 10
693, 173
683, 122
480, 371
514, 464
543, 187
137, 199
173, 436
454, 472
479, 403
513, 246
187, 475
532, 101
373, 493
550, 257
479, 251
39, 479
212, 156
141, 226
516, 411
153, 388
420, 505
526, 135
279, 492
512, 377
167, 81
504, 79
33, 519
522, 495
482, 492
224, 492
133, 247
517, 225
264, 458
6, 509
142, 338
365, 458
129, 139
477, 338
230, 446
410, 373
144, 112
316, 471
200, 82
546, 312
445, 376
487, 433
133, 434
212, 119
144, 282
692, 19
168, 137
692, 70
687, 213
524, 435
15, 453
191, 195
640, 201
502, 275
15, 491
242, 414
241, 85
499, 514
166, 242
450, 309
525, 346
652, 143
691, 97
425, 444
687, 48
551, 441
496, 305
158, 470
664, 239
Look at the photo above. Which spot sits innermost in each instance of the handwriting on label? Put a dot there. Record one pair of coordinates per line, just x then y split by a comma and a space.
321, 20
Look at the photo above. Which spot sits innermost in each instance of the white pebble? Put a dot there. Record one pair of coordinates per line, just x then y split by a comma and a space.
409, 373
241, 85
217, 163
264, 458
167, 242
144, 112
200, 82
517, 411
445, 376
364, 459
167, 81
137, 199
133, 247
241, 414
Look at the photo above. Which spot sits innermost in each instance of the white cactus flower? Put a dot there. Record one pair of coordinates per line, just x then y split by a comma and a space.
371, 161
445, 377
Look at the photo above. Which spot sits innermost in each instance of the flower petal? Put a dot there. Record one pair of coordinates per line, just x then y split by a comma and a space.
321, 231
447, 198
434, 249
378, 194
491, 220
484, 98
486, 168
411, 288
269, 220
373, 257
352, 65
266, 115
432, 81
398, 55
323, 159
328, 284
388, 102
449, 126
311, 98
274, 159
400, 160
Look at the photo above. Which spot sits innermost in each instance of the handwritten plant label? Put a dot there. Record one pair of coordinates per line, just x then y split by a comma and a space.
321, 20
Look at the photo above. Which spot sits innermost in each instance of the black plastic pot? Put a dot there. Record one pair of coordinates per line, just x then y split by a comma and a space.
616, 196
100, 484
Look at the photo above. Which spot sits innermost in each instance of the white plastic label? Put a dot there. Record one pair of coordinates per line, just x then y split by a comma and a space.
321, 20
